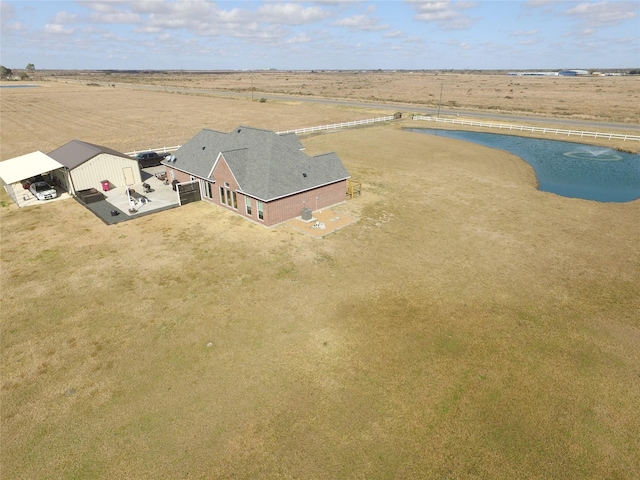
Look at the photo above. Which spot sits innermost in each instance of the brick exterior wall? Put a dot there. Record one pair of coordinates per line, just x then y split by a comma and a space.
275, 212
173, 174
290, 207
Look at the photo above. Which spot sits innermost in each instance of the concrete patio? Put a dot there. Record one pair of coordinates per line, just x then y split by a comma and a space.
116, 206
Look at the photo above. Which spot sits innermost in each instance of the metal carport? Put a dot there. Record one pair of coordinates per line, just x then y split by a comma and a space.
15, 170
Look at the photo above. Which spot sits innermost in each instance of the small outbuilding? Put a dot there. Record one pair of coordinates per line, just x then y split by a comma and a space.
89, 166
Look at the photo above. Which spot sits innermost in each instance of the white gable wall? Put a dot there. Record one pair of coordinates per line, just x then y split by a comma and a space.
105, 167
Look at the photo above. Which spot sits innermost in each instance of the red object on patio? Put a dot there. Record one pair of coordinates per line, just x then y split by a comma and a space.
105, 185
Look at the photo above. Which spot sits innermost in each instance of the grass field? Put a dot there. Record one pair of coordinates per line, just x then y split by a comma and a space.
590, 98
468, 326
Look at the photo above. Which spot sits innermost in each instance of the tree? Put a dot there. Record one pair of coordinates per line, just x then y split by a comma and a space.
5, 72
31, 68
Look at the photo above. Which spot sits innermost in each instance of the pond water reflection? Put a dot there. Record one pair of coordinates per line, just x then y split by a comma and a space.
569, 169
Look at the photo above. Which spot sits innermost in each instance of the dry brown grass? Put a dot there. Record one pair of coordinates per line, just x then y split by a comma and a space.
46, 117
588, 98
467, 326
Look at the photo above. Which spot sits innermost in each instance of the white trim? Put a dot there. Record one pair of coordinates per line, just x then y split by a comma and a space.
294, 193
260, 210
215, 164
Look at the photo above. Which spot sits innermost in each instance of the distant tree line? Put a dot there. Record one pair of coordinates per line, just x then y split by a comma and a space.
7, 73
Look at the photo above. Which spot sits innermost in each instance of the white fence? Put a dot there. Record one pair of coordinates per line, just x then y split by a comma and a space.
524, 128
298, 131
159, 150
335, 126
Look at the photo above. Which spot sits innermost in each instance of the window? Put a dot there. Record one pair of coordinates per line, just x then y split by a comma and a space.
228, 197
247, 204
260, 211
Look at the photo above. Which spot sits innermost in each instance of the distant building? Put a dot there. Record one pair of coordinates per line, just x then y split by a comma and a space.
533, 74
572, 73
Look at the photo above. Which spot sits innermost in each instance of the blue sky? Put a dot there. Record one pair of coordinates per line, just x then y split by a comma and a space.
330, 34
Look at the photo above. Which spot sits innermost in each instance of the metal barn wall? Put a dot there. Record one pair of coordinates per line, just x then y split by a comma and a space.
104, 167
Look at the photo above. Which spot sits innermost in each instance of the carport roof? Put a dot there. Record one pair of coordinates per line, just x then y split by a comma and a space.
27, 166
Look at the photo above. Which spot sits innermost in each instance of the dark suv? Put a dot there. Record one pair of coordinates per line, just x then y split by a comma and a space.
148, 159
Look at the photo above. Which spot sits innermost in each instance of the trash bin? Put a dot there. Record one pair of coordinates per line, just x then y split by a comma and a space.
105, 185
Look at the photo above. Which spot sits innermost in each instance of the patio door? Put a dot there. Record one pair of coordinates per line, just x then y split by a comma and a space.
128, 176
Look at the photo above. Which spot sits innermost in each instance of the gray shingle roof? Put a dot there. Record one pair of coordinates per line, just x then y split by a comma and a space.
267, 166
76, 153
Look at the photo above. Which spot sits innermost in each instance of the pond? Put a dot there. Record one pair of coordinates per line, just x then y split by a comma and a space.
565, 168
19, 86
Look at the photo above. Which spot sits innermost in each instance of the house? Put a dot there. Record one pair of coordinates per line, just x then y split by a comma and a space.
93, 166
258, 174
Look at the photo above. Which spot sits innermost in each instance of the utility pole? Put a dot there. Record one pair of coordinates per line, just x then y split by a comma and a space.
251, 75
440, 102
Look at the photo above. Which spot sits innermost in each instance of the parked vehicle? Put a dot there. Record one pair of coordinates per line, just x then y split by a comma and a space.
148, 159
43, 191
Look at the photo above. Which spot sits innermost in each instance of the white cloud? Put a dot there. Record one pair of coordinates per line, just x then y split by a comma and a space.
360, 22
102, 7
291, 14
462, 45
415, 40
148, 29
300, 38
627, 41
539, 3
6, 11
58, 29
115, 17
17, 27
585, 32
447, 14
153, 6
65, 18
604, 13
394, 34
